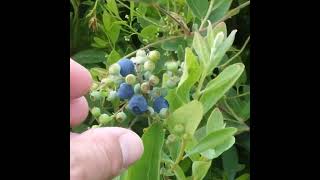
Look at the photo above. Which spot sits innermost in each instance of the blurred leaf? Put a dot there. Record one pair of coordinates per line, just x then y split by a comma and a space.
217, 87
174, 102
230, 162
113, 57
80, 128
114, 32
100, 43
112, 6
200, 169
188, 115
212, 33
215, 121
149, 33
173, 45
213, 140
148, 167
89, 56
191, 74
245, 176
220, 9
179, 173
201, 47
199, 7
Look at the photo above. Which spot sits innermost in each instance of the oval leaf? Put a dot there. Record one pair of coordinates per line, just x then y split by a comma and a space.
217, 87
213, 140
200, 169
215, 121
148, 167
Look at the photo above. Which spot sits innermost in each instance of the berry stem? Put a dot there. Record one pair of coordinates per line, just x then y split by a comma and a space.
180, 156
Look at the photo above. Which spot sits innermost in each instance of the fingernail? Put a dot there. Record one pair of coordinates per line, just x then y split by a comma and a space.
131, 148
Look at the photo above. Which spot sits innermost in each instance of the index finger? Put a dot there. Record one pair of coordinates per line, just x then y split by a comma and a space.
80, 80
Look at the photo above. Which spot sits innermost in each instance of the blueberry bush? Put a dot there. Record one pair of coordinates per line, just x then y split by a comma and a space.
177, 73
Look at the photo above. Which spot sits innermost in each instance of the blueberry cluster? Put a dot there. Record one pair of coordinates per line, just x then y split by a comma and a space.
133, 82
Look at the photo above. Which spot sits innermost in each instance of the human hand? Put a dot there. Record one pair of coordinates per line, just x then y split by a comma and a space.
100, 153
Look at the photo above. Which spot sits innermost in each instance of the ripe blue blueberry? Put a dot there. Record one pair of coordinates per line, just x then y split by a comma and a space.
159, 103
125, 91
138, 104
127, 67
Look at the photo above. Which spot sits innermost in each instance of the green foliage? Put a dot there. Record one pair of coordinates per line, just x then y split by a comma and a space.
206, 129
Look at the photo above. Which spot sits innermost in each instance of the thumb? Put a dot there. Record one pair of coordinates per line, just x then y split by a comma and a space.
102, 153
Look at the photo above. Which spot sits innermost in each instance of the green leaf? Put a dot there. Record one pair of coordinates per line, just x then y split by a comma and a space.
230, 162
113, 57
221, 51
188, 115
114, 32
89, 56
107, 21
199, 7
215, 121
148, 167
201, 47
171, 97
80, 128
213, 140
112, 6
179, 173
217, 151
191, 74
173, 45
245, 176
219, 10
100, 42
148, 33
200, 169
174, 149
212, 33
217, 87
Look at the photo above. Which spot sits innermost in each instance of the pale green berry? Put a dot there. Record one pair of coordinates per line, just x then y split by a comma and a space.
131, 79
112, 96
149, 66
95, 111
164, 113
96, 95
114, 69
140, 59
145, 87
154, 80
136, 88
104, 93
147, 75
95, 126
104, 119
94, 86
171, 83
172, 138
107, 81
141, 53
172, 66
121, 116
154, 55
178, 129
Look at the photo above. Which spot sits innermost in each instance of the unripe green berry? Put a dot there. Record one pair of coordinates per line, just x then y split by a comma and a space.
104, 93
145, 87
186, 136
141, 53
154, 80
96, 95
178, 129
171, 83
147, 75
112, 96
95, 126
114, 69
104, 119
94, 86
136, 88
107, 81
140, 59
121, 116
95, 111
149, 66
164, 113
154, 55
172, 66
131, 79
172, 138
